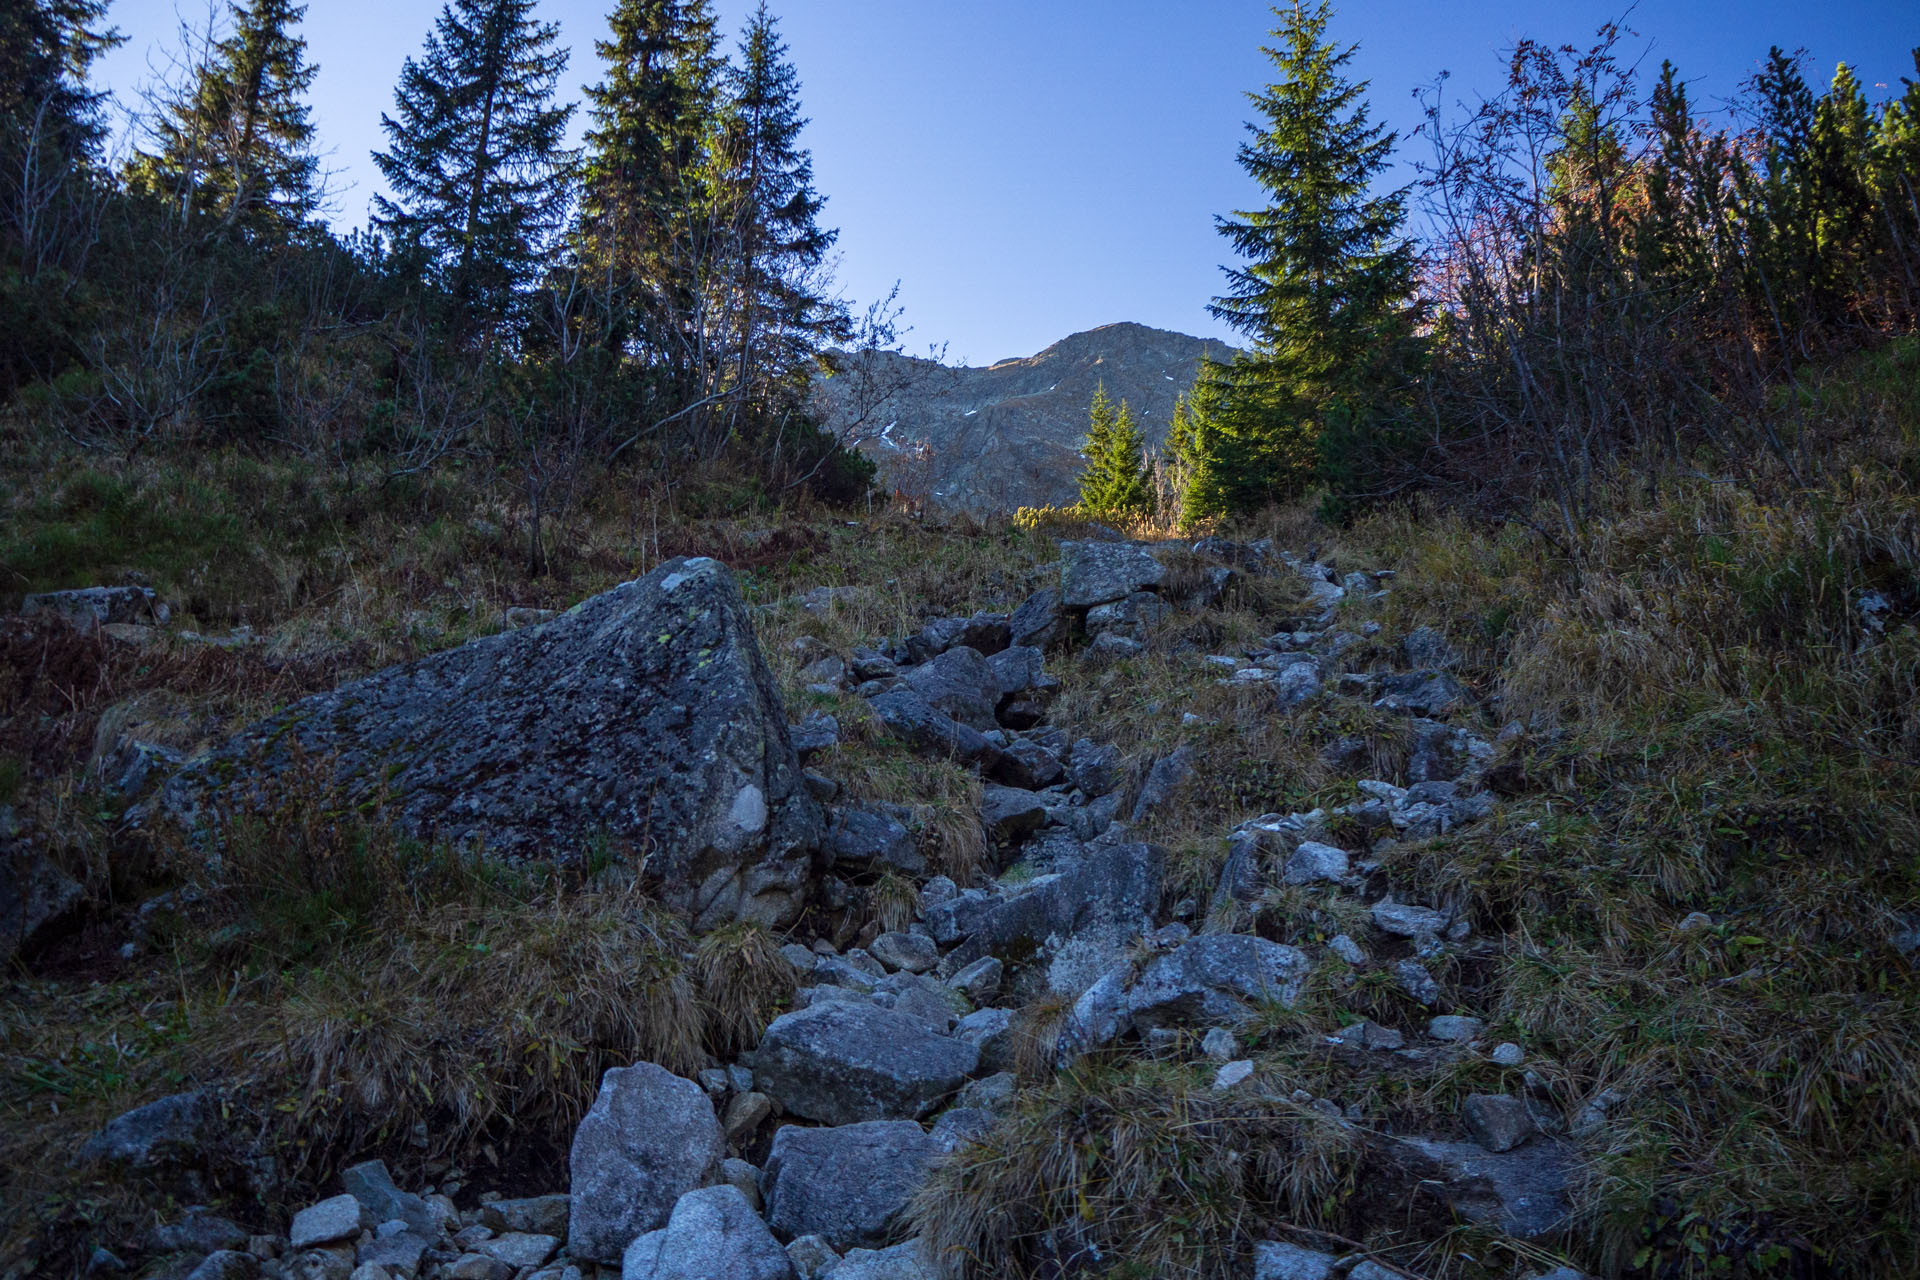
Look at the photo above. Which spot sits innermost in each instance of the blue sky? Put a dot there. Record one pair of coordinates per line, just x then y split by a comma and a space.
1030, 168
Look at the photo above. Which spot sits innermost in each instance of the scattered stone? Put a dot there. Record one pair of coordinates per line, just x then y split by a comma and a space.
1347, 949
1694, 920
871, 841
712, 1232
1455, 1028
979, 981
1215, 979
1426, 647
1135, 617
1219, 1044
842, 1063
901, 1262
1370, 1035
371, 1185
399, 1253
520, 1249
989, 1093
742, 1177
1523, 1192
848, 1184
89, 607
1429, 694
960, 684
1094, 768
646, 713
1407, 921
1274, 1260
745, 1114
1413, 978
338, 1218
1232, 1074
959, 1126
1028, 765
1095, 573
1111, 646
1496, 1121
229, 1264
1038, 622
1166, 777
198, 1232
1313, 861
1295, 685
649, 1138
990, 1032
1009, 813
816, 733
912, 952
927, 729
1111, 894
1508, 1054
811, 1257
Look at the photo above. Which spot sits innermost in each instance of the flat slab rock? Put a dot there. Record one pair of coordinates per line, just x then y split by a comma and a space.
848, 1184
842, 1062
646, 714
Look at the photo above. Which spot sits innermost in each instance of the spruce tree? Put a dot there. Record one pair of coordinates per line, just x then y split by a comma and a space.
475, 162
1325, 292
239, 146
46, 48
647, 201
779, 245
1115, 480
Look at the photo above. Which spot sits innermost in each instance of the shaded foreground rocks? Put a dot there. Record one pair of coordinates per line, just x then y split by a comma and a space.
649, 1138
841, 1062
646, 713
848, 1184
713, 1232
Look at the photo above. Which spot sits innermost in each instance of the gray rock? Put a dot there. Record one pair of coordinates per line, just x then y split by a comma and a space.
646, 713
337, 1218
1523, 1192
337, 1264
816, 733
35, 896
1426, 647
1028, 765
1347, 949
1038, 622
1407, 921
1169, 773
1094, 767
1094, 573
904, 1261
1114, 891
1508, 1054
713, 1232
841, 1063
745, 1114
1370, 1035
1430, 694
198, 1232
743, 1177
990, 1032
1020, 670
1496, 1121
1296, 684
521, 1250
1233, 1074
867, 664
960, 1126
1274, 1260
90, 607
1135, 617
1215, 979
1099, 1016
954, 918
226, 1264
979, 981
847, 1184
1111, 646
1312, 861
929, 730
811, 1257
400, 1253
1009, 813
1219, 1045
960, 684
923, 998
478, 1266
1413, 978
1455, 1028
371, 1185
868, 840
649, 1138
912, 952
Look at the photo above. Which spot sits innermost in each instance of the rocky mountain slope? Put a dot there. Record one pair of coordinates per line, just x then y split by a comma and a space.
1008, 435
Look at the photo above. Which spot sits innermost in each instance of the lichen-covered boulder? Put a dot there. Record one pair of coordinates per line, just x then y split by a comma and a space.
649, 1138
848, 1184
645, 714
841, 1062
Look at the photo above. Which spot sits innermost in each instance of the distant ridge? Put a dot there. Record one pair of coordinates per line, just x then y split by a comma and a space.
1008, 435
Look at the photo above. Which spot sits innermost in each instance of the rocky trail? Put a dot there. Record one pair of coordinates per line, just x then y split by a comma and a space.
815, 1152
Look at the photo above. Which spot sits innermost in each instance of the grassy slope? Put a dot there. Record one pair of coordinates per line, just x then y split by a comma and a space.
1709, 728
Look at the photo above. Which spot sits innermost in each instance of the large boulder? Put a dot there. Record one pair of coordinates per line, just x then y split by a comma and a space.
1215, 979
847, 1184
842, 1062
646, 714
904, 1261
929, 730
712, 1233
90, 607
34, 896
961, 683
1094, 573
1112, 894
649, 1138
170, 1131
